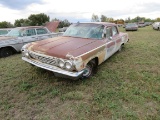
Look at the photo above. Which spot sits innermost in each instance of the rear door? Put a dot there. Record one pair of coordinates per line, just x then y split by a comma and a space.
116, 38
29, 35
110, 43
43, 33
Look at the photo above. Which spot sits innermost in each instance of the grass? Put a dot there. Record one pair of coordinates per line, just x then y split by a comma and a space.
127, 86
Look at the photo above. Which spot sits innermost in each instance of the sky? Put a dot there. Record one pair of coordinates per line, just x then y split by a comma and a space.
78, 10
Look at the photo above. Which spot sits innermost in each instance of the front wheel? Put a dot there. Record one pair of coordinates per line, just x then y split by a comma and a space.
5, 52
90, 70
120, 49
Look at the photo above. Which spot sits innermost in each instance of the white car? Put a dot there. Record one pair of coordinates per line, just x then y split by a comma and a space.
20, 36
156, 26
4, 31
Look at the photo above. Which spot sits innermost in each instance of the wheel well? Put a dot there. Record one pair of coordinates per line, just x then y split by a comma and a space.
95, 60
9, 47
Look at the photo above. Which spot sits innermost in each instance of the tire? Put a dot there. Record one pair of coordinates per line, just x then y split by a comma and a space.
120, 49
91, 69
5, 52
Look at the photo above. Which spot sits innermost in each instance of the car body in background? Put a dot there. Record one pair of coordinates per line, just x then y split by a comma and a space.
141, 24
19, 36
119, 25
62, 29
147, 23
78, 52
131, 27
156, 25
4, 31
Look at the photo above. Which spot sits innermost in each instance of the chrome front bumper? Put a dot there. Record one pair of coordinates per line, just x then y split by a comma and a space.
57, 71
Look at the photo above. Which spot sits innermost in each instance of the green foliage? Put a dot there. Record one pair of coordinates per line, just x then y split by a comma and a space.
5, 24
106, 19
158, 19
64, 23
38, 19
21, 22
138, 19
94, 18
103, 18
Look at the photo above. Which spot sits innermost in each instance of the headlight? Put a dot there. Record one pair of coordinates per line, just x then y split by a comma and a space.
24, 47
68, 65
61, 63
25, 54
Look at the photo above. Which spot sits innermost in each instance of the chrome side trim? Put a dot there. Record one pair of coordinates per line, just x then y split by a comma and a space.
53, 68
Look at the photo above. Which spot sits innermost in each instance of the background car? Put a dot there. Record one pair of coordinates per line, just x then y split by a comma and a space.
156, 26
141, 24
4, 31
131, 27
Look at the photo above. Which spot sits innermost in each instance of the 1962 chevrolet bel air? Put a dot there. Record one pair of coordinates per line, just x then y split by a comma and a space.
78, 52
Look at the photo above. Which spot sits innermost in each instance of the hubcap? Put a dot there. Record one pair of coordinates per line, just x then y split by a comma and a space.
87, 71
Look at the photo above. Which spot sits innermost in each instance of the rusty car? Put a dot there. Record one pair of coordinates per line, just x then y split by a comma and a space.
17, 37
78, 52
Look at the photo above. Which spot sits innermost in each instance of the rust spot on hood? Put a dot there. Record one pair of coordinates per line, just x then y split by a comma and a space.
61, 46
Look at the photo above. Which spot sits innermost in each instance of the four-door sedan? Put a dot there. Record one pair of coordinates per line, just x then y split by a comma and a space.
78, 52
131, 27
19, 36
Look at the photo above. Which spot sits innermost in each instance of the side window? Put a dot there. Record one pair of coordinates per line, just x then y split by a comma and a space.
108, 32
114, 31
41, 31
30, 32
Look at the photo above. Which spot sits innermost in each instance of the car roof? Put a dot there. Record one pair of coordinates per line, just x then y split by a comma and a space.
101, 23
27, 27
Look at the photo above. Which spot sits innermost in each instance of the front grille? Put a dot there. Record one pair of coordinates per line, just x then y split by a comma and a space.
43, 59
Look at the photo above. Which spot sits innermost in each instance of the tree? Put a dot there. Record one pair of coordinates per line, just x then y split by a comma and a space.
95, 18
103, 18
38, 19
158, 19
109, 19
5, 24
64, 23
21, 22
55, 19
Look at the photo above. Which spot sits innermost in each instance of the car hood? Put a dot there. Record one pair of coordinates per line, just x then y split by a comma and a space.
6, 38
61, 46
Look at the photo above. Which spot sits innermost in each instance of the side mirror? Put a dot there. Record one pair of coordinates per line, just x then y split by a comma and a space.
23, 34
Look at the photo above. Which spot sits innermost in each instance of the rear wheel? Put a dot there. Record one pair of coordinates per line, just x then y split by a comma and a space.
90, 70
5, 52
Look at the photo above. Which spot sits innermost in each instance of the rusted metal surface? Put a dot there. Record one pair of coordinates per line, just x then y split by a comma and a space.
52, 26
80, 50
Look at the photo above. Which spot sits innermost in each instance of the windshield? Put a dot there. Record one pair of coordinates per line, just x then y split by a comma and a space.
85, 30
3, 32
131, 25
15, 32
